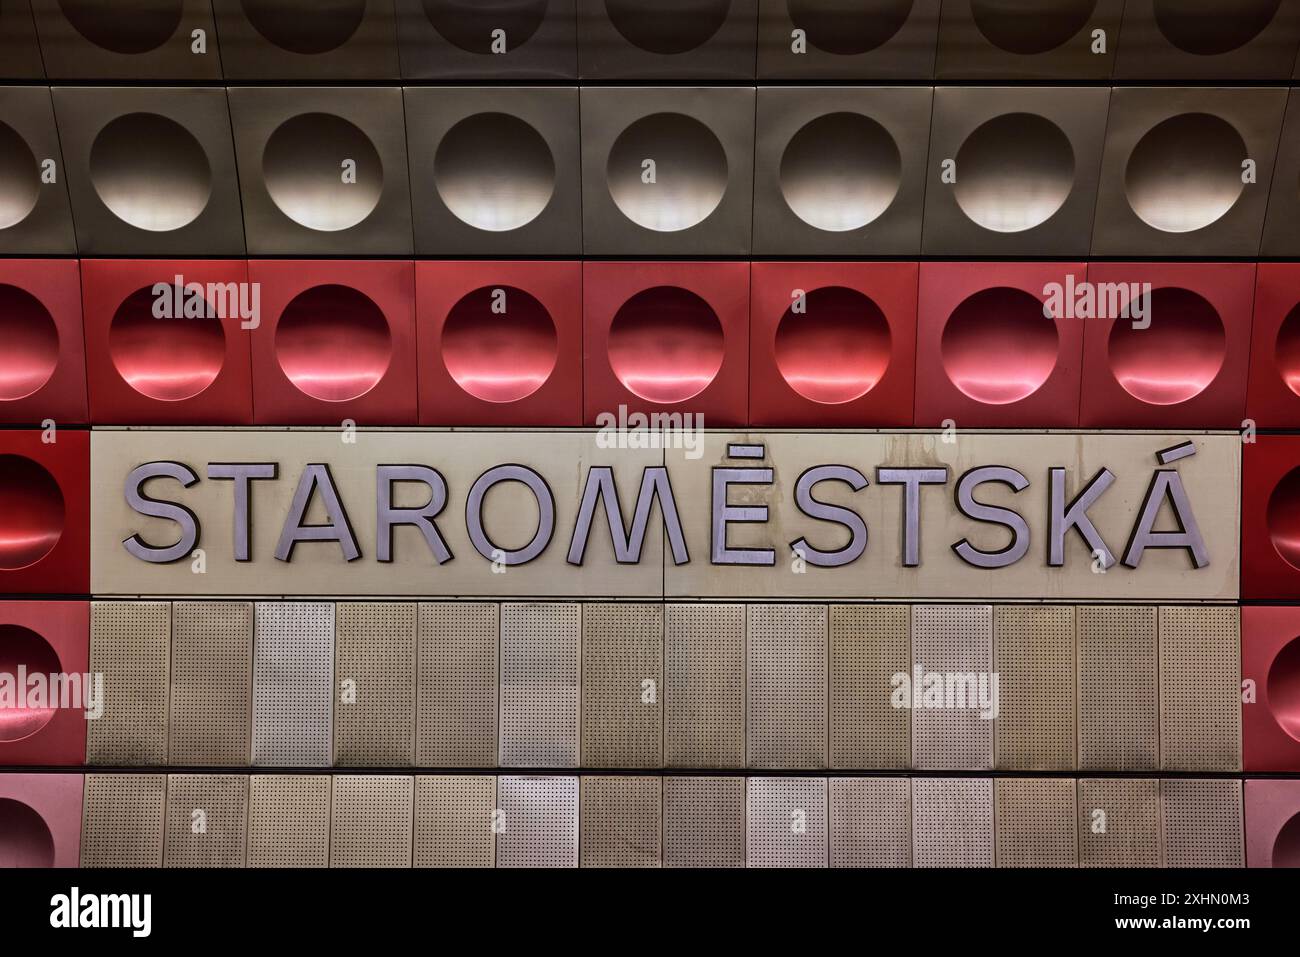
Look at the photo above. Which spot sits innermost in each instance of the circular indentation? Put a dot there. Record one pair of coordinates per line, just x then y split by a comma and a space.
494, 172
147, 25
1284, 519
998, 347
167, 359
305, 26
1014, 172
20, 178
840, 172
665, 344
31, 512
22, 647
667, 26
333, 343
837, 349
1286, 848
1185, 173
472, 24
322, 172
499, 344
1177, 356
1209, 27
849, 27
31, 344
1286, 353
667, 172
1030, 26
150, 172
25, 840
1284, 688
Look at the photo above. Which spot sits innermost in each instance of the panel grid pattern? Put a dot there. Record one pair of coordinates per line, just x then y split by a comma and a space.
785, 822
704, 822
1034, 657
869, 644
458, 672
621, 821
206, 820
952, 822
870, 822
289, 820
787, 686
130, 645
953, 640
453, 820
374, 655
704, 686
122, 820
293, 677
1036, 822
622, 681
1119, 822
540, 650
371, 820
1202, 822
211, 683
1200, 689
539, 821
1118, 728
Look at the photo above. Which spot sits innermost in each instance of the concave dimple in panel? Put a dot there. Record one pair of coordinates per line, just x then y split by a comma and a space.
1174, 358
293, 677
870, 822
666, 344
622, 654
494, 171
840, 172
23, 649
150, 172
167, 359
301, 168
704, 686
849, 27
540, 645
1014, 172
1185, 172
333, 343
25, 838
538, 825
31, 340
499, 356
786, 822
20, 178
836, 348
787, 686
456, 723
306, 27
985, 331
667, 172
31, 512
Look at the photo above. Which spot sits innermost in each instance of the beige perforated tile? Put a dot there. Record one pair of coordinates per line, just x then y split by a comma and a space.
869, 645
953, 644
1200, 689
453, 820
787, 686
456, 724
870, 822
211, 683
540, 649
1202, 823
621, 821
1118, 694
1034, 656
293, 679
952, 822
289, 820
1119, 822
785, 822
538, 823
704, 822
206, 820
622, 685
704, 686
122, 820
130, 645
371, 820
1035, 822
374, 684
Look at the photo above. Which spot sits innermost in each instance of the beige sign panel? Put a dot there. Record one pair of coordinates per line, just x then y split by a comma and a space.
965, 516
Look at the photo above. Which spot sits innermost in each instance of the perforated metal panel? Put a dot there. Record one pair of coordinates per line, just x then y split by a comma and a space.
211, 683
622, 685
704, 822
1117, 688
952, 822
293, 677
1034, 656
130, 645
122, 820
870, 822
1202, 822
704, 686
540, 648
787, 686
206, 820
539, 821
955, 641
785, 822
453, 820
869, 644
1119, 822
289, 820
1036, 822
374, 681
371, 820
1200, 689
621, 821
456, 723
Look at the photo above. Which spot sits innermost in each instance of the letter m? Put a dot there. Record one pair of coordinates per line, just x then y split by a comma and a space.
627, 543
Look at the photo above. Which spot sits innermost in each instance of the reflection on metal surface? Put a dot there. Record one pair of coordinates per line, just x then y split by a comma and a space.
165, 359
333, 343
471, 24
22, 647
1286, 351
667, 26
494, 172
31, 344
20, 182
1284, 688
666, 344
1176, 358
998, 347
1186, 172
499, 355
31, 512
306, 165
1284, 518
25, 840
305, 26
1014, 172
136, 26
1209, 27
849, 27
150, 172
840, 172
667, 172
1031, 26
835, 351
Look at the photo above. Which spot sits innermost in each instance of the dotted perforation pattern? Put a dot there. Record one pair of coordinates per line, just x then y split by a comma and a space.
374, 669
870, 822
1200, 688
456, 724
293, 678
1202, 822
122, 820
787, 656
869, 645
621, 821
704, 821
1118, 694
952, 822
289, 820
206, 820
953, 641
1034, 657
622, 685
1036, 822
538, 823
704, 685
211, 683
785, 822
130, 645
1119, 822
371, 820
453, 820
541, 646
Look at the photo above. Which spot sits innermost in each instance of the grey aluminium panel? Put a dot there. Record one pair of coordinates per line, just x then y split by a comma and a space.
540, 678
293, 678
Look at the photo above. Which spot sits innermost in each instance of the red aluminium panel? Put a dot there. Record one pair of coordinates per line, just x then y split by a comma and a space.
666, 337
1188, 370
40, 820
44, 512
1273, 397
337, 341
500, 343
988, 355
1270, 518
47, 638
149, 363
1272, 814
1270, 657
43, 362
832, 344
